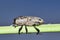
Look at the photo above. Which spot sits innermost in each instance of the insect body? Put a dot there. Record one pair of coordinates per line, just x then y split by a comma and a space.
27, 21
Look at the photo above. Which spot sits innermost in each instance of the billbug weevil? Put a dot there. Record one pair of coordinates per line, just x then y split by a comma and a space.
27, 21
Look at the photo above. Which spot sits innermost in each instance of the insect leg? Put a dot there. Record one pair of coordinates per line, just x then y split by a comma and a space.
36, 29
14, 25
26, 29
20, 29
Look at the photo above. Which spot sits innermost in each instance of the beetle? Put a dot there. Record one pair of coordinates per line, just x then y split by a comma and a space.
27, 21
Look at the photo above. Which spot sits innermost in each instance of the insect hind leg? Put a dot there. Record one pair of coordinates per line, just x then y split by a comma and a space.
36, 29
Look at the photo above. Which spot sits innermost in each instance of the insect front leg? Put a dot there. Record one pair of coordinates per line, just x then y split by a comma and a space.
14, 25
26, 29
36, 29
20, 29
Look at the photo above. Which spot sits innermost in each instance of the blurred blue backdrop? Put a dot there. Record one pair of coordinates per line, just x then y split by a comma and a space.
49, 10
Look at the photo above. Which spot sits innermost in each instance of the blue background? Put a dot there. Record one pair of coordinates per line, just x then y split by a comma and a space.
43, 36
49, 10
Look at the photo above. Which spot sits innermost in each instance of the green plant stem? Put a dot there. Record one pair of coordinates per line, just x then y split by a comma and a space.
42, 28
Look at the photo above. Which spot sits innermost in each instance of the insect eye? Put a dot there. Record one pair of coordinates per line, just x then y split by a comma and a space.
40, 19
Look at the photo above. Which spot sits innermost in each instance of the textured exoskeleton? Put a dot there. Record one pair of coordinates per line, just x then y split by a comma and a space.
27, 21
